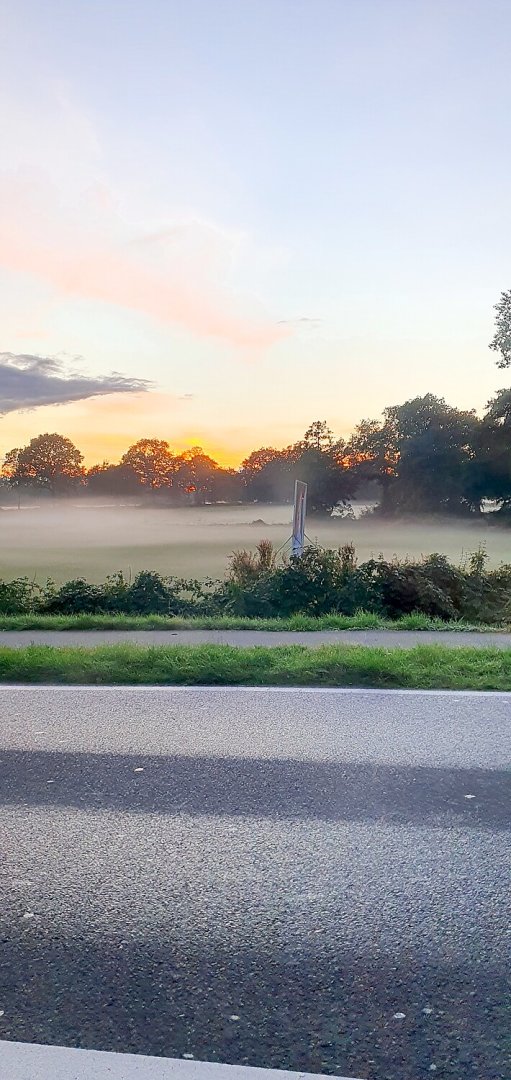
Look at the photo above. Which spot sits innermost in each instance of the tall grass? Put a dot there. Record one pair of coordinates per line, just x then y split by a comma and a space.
424, 667
360, 621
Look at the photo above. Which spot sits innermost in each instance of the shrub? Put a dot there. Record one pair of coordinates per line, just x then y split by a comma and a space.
76, 597
320, 582
403, 588
19, 597
151, 594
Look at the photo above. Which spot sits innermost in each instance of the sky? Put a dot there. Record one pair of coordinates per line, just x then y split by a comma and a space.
221, 220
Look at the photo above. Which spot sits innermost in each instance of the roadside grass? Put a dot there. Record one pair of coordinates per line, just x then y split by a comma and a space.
362, 620
424, 667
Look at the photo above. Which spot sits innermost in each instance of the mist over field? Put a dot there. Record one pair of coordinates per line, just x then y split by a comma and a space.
87, 539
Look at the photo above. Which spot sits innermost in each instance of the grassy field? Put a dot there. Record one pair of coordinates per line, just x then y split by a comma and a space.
424, 667
65, 540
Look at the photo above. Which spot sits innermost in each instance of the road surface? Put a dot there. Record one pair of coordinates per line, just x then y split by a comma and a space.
388, 639
309, 880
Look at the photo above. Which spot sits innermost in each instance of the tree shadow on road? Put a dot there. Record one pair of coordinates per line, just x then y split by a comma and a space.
277, 789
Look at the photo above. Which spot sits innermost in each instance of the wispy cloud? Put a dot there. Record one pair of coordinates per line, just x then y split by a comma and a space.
301, 322
178, 274
28, 381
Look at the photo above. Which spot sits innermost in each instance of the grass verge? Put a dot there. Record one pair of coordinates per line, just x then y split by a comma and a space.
424, 667
361, 621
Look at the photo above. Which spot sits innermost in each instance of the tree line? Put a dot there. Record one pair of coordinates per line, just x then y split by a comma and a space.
423, 457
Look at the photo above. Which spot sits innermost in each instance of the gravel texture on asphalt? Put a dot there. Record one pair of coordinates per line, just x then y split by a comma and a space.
309, 880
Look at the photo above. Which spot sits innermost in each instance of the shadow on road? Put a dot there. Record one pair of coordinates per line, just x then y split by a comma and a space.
325, 1010
278, 789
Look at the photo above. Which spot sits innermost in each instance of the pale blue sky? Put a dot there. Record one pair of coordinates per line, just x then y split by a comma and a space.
185, 183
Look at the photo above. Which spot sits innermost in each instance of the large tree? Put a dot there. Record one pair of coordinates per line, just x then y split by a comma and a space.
49, 462
196, 475
492, 469
422, 456
372, 455
152, 462
266, 475
436, 451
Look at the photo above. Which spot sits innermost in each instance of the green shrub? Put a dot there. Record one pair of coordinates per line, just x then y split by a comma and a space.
76, 597
151, 594
403, 588
19, 597
317, 584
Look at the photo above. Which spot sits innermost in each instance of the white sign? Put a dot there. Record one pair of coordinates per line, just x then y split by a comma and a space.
299, 510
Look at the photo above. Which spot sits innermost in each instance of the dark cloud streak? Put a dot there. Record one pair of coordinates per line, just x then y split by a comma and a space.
28, 382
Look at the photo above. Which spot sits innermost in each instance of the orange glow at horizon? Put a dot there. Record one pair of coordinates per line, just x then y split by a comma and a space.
103, 428
109, 446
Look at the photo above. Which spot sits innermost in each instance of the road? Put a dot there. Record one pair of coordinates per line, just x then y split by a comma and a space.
311, 880
388, 639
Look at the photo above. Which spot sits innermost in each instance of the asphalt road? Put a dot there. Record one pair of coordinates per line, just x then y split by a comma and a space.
311, 880
389, 639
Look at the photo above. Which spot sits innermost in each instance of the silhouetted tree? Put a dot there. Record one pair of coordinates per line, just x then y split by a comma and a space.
49, 462
152, 463
113, 480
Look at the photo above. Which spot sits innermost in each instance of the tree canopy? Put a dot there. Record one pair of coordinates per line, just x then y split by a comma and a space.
50, 462
501, 342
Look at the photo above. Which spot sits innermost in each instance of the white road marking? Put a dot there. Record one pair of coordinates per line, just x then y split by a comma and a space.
30, 1061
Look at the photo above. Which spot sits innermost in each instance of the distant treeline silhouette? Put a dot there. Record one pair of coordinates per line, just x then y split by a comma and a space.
423, 457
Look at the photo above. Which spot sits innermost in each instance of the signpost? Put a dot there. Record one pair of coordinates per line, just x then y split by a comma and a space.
299, 510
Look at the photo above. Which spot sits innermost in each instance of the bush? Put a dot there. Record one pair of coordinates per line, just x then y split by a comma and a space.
151, 594
76, 597
403, 588
320, 582
19, 597
316, 583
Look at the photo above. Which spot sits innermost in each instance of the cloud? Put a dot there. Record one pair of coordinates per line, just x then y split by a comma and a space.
62, 227
181, 274
302, 321
27, 382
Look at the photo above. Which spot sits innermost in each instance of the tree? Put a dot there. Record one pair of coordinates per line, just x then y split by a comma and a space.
319, 460
372, 454
50, 462
266, 475
196, 475
11, 472
330, 484
492, 467
10, 467
269, 475
152, 463
501, 342
318, 437
109, 479
435, 444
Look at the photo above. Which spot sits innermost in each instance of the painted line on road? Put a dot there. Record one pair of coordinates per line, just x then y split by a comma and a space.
341, 690
31, 1061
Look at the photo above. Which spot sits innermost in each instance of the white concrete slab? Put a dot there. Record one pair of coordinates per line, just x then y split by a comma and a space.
29, 1061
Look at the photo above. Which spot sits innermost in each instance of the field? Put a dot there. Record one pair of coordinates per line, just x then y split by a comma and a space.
63, 541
